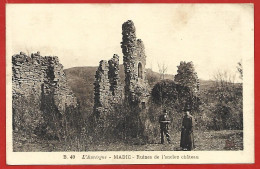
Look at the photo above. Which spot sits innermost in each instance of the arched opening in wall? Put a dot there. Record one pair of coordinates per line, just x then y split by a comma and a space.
143, 105
140, 70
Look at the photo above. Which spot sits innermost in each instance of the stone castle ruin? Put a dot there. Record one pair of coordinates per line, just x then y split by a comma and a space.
39, 74
41, 95
47, 116
107, 87
108, 91
44, 104
136, 85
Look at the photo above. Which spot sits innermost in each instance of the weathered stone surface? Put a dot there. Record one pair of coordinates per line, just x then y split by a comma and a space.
107, 87
30, 73
42, 81
136, 85
115, 107
113, 75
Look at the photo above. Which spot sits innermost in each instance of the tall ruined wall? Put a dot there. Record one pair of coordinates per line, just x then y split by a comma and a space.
107, 87
101, 89
41, 95
131, 119
136, 86
113, 75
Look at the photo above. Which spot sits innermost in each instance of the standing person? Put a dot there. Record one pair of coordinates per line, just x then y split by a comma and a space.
187, 138
164, 122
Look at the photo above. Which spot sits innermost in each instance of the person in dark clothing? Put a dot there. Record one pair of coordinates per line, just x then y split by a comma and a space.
164, 122
187, 138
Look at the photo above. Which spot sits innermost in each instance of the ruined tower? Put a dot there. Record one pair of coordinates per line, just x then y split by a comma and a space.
101, 89
107, 87
113, 107
136, 86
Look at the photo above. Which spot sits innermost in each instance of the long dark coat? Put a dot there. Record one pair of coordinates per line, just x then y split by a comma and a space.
187, 138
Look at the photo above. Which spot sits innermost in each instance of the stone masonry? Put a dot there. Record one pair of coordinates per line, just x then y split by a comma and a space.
113, 75
43, 79
136, 86
108, 90
107, 87
31, 73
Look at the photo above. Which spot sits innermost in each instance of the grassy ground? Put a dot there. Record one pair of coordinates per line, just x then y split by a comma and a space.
204, 141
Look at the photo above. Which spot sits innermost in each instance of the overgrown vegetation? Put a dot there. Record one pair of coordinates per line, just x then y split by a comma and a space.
216, 105
222, 104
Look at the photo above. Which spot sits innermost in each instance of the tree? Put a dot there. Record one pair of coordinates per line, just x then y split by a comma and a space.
240, 69
186, 76
224, 102
169, 94
162, 70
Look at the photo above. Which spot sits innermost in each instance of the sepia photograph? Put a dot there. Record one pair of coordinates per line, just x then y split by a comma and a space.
130, 83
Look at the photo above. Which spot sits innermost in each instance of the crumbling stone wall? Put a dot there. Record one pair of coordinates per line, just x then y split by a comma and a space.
101, 89
136, 85
131, 119
107, 87
41, 83
113, 75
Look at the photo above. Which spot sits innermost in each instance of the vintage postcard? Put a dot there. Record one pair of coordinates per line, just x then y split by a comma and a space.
130, 83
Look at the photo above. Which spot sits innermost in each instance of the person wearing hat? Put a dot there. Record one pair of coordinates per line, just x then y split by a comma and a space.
164, 122
187, 138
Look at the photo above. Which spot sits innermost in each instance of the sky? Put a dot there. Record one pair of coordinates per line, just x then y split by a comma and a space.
215, 37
